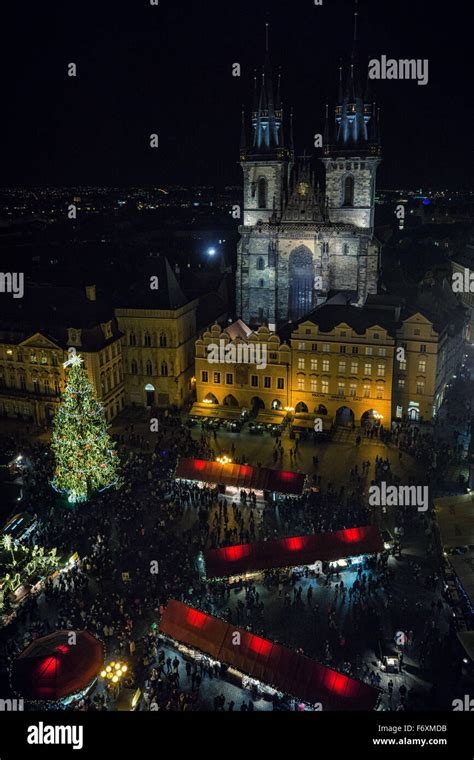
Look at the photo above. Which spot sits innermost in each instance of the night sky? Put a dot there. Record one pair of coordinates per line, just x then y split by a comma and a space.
167, 69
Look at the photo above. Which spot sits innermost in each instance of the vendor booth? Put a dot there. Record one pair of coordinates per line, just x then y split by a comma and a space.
241, 476
52, 669
292, 552
264, 661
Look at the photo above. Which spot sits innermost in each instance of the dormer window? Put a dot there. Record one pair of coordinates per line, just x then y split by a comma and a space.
73, 336
107, 329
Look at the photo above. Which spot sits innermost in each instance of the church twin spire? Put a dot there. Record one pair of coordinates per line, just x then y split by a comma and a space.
267, 133
356, 117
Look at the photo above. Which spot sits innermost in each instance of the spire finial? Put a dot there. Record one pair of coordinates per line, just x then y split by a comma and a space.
356, 13
266, 36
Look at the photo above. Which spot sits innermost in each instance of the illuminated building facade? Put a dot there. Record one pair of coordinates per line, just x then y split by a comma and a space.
34, 341
298, 243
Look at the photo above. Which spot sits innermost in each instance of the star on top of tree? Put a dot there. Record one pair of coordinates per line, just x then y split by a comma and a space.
74, 359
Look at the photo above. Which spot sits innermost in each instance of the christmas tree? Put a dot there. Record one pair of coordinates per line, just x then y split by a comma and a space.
84, 455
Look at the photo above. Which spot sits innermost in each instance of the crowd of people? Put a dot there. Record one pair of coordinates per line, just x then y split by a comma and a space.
155, 520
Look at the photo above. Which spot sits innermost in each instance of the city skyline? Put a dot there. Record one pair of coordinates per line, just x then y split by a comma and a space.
175, 79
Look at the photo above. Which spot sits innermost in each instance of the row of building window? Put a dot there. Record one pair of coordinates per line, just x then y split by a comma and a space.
315, 385
326, 348
342, 366
254, 379
148, 340
148, 368
106, 355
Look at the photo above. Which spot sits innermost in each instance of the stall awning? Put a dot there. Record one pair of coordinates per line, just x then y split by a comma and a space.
215, 411
455, 516
241, 476
273, 664
306, 422
292, 552
270, 418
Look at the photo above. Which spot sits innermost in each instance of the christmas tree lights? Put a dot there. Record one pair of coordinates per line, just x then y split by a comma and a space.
85, 459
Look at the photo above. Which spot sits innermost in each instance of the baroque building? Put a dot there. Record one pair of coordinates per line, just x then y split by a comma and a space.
299, 243
386, 361
35, 334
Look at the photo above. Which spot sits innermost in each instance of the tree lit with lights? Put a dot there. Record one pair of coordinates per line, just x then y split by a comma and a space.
85, 461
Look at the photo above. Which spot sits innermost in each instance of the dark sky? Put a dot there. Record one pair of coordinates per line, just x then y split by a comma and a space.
167, 69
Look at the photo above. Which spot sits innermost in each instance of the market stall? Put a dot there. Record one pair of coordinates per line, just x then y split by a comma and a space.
52, 668
265, 661
292, 552
240, 476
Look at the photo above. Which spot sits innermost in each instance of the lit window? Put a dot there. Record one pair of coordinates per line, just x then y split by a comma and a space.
354, 368
324, 386
314, 385
300, 383
204, 376
325, 365
300, 362
353, 389
381, 370
367, 369
314, 364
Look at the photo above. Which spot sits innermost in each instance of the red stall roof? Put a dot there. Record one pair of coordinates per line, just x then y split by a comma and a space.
241, 476
290, 552
289, 672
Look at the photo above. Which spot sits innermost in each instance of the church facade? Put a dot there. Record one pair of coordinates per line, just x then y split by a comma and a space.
299, 242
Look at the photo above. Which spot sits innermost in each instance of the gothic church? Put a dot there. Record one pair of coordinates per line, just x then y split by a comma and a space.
299, 243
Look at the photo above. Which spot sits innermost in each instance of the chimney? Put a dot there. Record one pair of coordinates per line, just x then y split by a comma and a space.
90, 292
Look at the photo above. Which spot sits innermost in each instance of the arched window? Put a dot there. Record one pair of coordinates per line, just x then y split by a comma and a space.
349, 191
301, 277
261, 263
261, 283
345, 249
147, 339
149, 368
102, 383
262, 193
132, 339
163, 341
164, 369
134, 367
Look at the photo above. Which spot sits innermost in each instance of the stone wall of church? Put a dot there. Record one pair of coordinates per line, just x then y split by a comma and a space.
363, 172
276, 175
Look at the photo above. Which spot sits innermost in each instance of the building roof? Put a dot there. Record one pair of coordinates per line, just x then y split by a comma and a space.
292, 552
273, 664
139, 295
328, 316
241, 476
51, 310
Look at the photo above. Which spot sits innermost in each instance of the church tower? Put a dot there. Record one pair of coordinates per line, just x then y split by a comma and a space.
351, 152
266, 159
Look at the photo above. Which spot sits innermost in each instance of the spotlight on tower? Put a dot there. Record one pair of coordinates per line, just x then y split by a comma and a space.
211, 251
